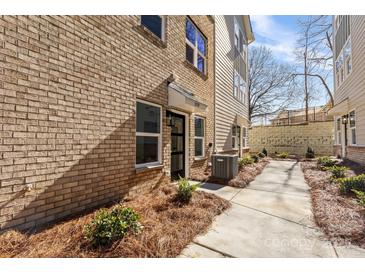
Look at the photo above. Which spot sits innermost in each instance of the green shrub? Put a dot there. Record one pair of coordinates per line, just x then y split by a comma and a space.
185, 190
283, 155
337, 171
108, 226
264, 151
348, 184
255, 158
261, 155
246, 160
310, 153
360, 195
324, 162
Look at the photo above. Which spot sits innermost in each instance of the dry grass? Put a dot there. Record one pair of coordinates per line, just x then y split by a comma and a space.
340, 217
245, 175
168, 228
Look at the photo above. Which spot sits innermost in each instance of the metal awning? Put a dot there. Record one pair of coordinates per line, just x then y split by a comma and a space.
340, 108
183, 99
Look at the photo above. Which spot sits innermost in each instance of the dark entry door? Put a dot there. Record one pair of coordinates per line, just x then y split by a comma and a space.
177, 124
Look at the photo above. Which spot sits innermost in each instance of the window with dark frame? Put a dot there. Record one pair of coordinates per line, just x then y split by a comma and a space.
155, 24
148, 134
196, 46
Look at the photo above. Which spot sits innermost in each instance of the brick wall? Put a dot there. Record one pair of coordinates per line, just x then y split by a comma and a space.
68, 89
353, 153
293, 139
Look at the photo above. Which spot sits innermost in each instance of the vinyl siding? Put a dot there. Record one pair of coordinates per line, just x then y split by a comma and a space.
353, 86
227, 106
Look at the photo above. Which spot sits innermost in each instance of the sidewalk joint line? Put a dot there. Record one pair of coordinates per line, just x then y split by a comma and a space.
214, 250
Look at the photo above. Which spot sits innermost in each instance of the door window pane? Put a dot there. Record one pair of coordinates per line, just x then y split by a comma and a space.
177, 143
148, 118
177, 162
178, 125
153, 23
147, 149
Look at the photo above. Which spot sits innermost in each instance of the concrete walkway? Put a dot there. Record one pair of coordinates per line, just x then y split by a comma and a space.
270, 218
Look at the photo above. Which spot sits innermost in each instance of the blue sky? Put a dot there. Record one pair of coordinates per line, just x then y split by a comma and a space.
280, 33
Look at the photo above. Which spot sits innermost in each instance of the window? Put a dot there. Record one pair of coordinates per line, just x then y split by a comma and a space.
239, 87
244, 137
199, 137
239, 41
195, 46
154, 23
352, 123
236, 133
344, 63
148, 134
338, 131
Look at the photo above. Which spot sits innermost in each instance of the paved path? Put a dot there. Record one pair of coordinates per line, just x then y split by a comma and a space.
270, 218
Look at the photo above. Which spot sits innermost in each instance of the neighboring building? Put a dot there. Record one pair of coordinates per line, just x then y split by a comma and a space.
97, 107
298, 116
232, 36
349, 79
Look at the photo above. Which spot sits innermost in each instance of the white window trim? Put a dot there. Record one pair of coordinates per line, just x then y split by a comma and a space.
235, 137
241, 94
200, 137
195, 47
342, 73
163, 27
338, 131
244, 48
351, 128
245, 137
159, 135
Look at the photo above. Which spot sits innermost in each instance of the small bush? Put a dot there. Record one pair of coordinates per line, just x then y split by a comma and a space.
348, 184
261, 155
185, 190
337, 171
108, 226
310, 153
246, 160
283, 155
264, 151
324, 162
360, 195
255, 158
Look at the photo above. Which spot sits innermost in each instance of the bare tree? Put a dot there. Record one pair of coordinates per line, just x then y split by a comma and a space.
271, 85
314, 51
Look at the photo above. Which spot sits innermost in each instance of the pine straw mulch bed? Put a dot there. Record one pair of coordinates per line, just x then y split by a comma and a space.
246, 174
340, 217
167, 228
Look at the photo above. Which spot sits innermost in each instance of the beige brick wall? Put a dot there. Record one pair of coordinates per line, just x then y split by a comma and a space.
293, 139
68, 90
